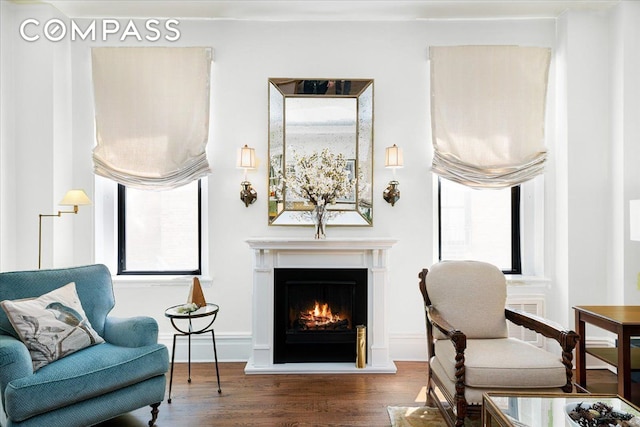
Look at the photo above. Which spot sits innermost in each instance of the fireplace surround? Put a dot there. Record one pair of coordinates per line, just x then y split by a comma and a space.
272, 254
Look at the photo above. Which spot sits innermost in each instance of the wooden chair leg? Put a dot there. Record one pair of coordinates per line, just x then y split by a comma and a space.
154, 414
461, 412
431, 402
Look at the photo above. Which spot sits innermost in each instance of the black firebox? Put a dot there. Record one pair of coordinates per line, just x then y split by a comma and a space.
316, 313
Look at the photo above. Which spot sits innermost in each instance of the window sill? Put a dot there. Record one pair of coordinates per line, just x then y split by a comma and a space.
518, 280
145, 281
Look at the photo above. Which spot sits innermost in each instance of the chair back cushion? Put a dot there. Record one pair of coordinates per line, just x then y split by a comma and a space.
471, 296
93, 285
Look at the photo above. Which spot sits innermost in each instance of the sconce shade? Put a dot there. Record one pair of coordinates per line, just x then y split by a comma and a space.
634, 219
75, 198
393, 157
247, 158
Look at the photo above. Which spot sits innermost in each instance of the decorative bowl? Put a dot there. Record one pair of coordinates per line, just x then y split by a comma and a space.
599, 411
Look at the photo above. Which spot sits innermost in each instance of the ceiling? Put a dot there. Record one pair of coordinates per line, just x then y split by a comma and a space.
323, 10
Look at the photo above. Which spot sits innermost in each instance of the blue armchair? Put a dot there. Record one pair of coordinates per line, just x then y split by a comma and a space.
92, 385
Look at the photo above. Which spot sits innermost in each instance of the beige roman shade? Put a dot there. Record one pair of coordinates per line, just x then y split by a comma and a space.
487, 113
152, 115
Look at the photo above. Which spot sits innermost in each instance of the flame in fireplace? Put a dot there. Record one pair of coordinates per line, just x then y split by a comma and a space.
321, 317
323, 312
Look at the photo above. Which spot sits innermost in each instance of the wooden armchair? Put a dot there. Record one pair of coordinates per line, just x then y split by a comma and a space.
469, 348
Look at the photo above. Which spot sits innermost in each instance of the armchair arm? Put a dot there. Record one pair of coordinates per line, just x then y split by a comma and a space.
131, 332
434, 319
443, 326
459, 341
15, 362
566, 338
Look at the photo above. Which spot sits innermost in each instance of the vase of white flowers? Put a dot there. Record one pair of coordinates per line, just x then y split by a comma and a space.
321, 178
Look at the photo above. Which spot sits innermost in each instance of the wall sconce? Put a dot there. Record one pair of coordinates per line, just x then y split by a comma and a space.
634, 219
393, 159
246, 161
73, 198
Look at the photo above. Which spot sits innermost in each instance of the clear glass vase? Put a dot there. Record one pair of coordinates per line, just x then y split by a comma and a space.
319, 215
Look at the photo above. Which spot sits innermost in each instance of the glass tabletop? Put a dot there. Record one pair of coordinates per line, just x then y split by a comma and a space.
177, 311
535, 410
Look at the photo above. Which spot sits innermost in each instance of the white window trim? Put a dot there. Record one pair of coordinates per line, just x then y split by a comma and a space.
532, 227
106, 238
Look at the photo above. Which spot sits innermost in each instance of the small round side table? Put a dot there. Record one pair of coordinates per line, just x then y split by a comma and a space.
209, 310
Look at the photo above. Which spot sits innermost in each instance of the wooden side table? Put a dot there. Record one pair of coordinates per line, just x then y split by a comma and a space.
623, 320
173, 313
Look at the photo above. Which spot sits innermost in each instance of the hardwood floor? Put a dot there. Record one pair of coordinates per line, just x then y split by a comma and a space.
289, 400
282, 400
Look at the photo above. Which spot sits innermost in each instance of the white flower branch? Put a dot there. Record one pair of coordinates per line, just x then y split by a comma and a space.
321, 178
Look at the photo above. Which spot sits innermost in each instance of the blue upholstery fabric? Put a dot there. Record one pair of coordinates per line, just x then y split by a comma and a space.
15, 362
94, 384
87, 373
93, 284
101, 408
131, 332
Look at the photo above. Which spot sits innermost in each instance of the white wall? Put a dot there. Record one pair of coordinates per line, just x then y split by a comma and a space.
36, 142
584, 172
394, 54
598, 148
627, 75
7, 171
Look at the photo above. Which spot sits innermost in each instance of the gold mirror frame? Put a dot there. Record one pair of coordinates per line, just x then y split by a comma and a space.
309, 115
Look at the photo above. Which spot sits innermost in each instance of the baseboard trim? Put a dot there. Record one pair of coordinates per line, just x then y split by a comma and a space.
237, 348
408, 347
230, 347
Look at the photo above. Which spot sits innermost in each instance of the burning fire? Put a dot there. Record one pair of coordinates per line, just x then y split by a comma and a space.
321, 317
322, 313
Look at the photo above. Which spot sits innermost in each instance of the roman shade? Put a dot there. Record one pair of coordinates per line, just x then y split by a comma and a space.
152, 115
487, 113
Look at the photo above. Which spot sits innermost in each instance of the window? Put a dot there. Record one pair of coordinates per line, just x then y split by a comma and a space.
159, 232
482, 225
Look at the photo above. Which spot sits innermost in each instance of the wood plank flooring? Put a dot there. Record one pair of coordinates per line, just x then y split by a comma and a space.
289, 400
282, 400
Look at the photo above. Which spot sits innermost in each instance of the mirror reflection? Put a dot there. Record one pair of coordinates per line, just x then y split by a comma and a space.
307, 117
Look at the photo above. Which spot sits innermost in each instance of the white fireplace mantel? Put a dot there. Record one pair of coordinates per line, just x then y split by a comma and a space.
272, 253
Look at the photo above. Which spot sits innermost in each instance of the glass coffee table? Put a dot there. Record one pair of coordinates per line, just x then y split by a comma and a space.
537, 410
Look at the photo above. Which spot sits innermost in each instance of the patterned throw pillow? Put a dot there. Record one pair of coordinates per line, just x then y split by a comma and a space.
52, 325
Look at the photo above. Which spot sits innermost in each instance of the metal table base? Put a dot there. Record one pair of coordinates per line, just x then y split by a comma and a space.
210, 310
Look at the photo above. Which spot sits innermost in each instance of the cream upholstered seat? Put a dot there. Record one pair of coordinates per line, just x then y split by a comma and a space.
469, 348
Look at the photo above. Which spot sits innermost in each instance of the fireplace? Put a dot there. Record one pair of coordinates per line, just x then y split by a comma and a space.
316, 311
369, 255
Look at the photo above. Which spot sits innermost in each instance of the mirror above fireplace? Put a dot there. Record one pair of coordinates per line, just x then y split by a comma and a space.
307, 116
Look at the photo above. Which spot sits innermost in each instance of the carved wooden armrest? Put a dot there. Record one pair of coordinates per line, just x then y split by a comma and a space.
459, 341
458, 338
566, 338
